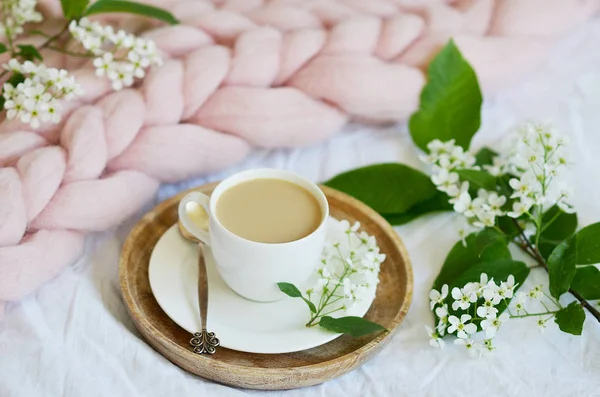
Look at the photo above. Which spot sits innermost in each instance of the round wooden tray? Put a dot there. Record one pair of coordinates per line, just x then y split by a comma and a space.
267, 371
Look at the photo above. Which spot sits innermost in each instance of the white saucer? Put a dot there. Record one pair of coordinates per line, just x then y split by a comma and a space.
240, 324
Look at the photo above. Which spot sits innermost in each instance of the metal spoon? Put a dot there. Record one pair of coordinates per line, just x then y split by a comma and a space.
203, 342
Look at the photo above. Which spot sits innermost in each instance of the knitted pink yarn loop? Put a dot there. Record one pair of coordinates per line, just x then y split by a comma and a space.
238, 73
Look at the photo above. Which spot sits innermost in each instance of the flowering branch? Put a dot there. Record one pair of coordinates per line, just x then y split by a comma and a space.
349, 273
31, 93
521, 190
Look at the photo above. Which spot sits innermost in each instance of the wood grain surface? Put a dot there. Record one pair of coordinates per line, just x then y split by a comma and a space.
267, 371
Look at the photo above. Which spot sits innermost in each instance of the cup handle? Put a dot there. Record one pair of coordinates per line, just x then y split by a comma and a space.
189, 221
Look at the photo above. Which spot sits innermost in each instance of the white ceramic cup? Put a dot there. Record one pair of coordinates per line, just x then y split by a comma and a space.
250, 268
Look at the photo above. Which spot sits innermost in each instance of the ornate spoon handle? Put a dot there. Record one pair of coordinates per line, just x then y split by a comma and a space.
203, 342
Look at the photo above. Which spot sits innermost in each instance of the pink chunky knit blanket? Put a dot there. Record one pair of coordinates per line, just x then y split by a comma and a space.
238, 74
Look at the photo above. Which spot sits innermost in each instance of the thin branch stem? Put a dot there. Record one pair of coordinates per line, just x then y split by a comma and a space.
54, 38
324, 303
332, 311
551, 299
535, 254
71, 53
553, 312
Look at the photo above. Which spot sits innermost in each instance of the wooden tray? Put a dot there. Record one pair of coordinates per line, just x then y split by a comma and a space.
267, 371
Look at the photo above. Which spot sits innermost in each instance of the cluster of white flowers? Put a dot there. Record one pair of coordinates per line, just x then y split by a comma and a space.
471, 306
36, 99
351, 262
121, 56
475, 307
445, 159
536, 157
16, 13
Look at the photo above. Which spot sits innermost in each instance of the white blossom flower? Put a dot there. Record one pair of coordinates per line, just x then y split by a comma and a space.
541, 323
472, 347
535, 293
520, 302
506, 289
520, 208
461, 326
488, 345
485, 219
372, 260
455, 191
438, 147
437, 297
14, 107
121, 76
368, 241
122, 39
34, 113
480, 286
442, 313
464, 205
435, 339
492, 325
347, 228
444, 179
104, 64
463, 298
522, 187
495, 203
488, 309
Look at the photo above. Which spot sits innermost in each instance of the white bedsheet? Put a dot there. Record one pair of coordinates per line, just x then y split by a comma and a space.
73, 337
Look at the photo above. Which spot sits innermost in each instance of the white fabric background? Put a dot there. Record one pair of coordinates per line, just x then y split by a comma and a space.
73, 337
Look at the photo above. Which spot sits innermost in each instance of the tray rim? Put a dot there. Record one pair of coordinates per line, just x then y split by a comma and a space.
354, 358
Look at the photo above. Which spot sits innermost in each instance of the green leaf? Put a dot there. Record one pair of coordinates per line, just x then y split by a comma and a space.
391, 189
3, 48
561, 266
291, 290
507, 225
450, 104
583, 248
498, 269
546, 249
355, 326
485, 157
570, 319
105, 6
478, 179
73, 9
558, 225
29, 52
486, 245
588, 245
16, 79
311, 305
587, 282
437, 203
